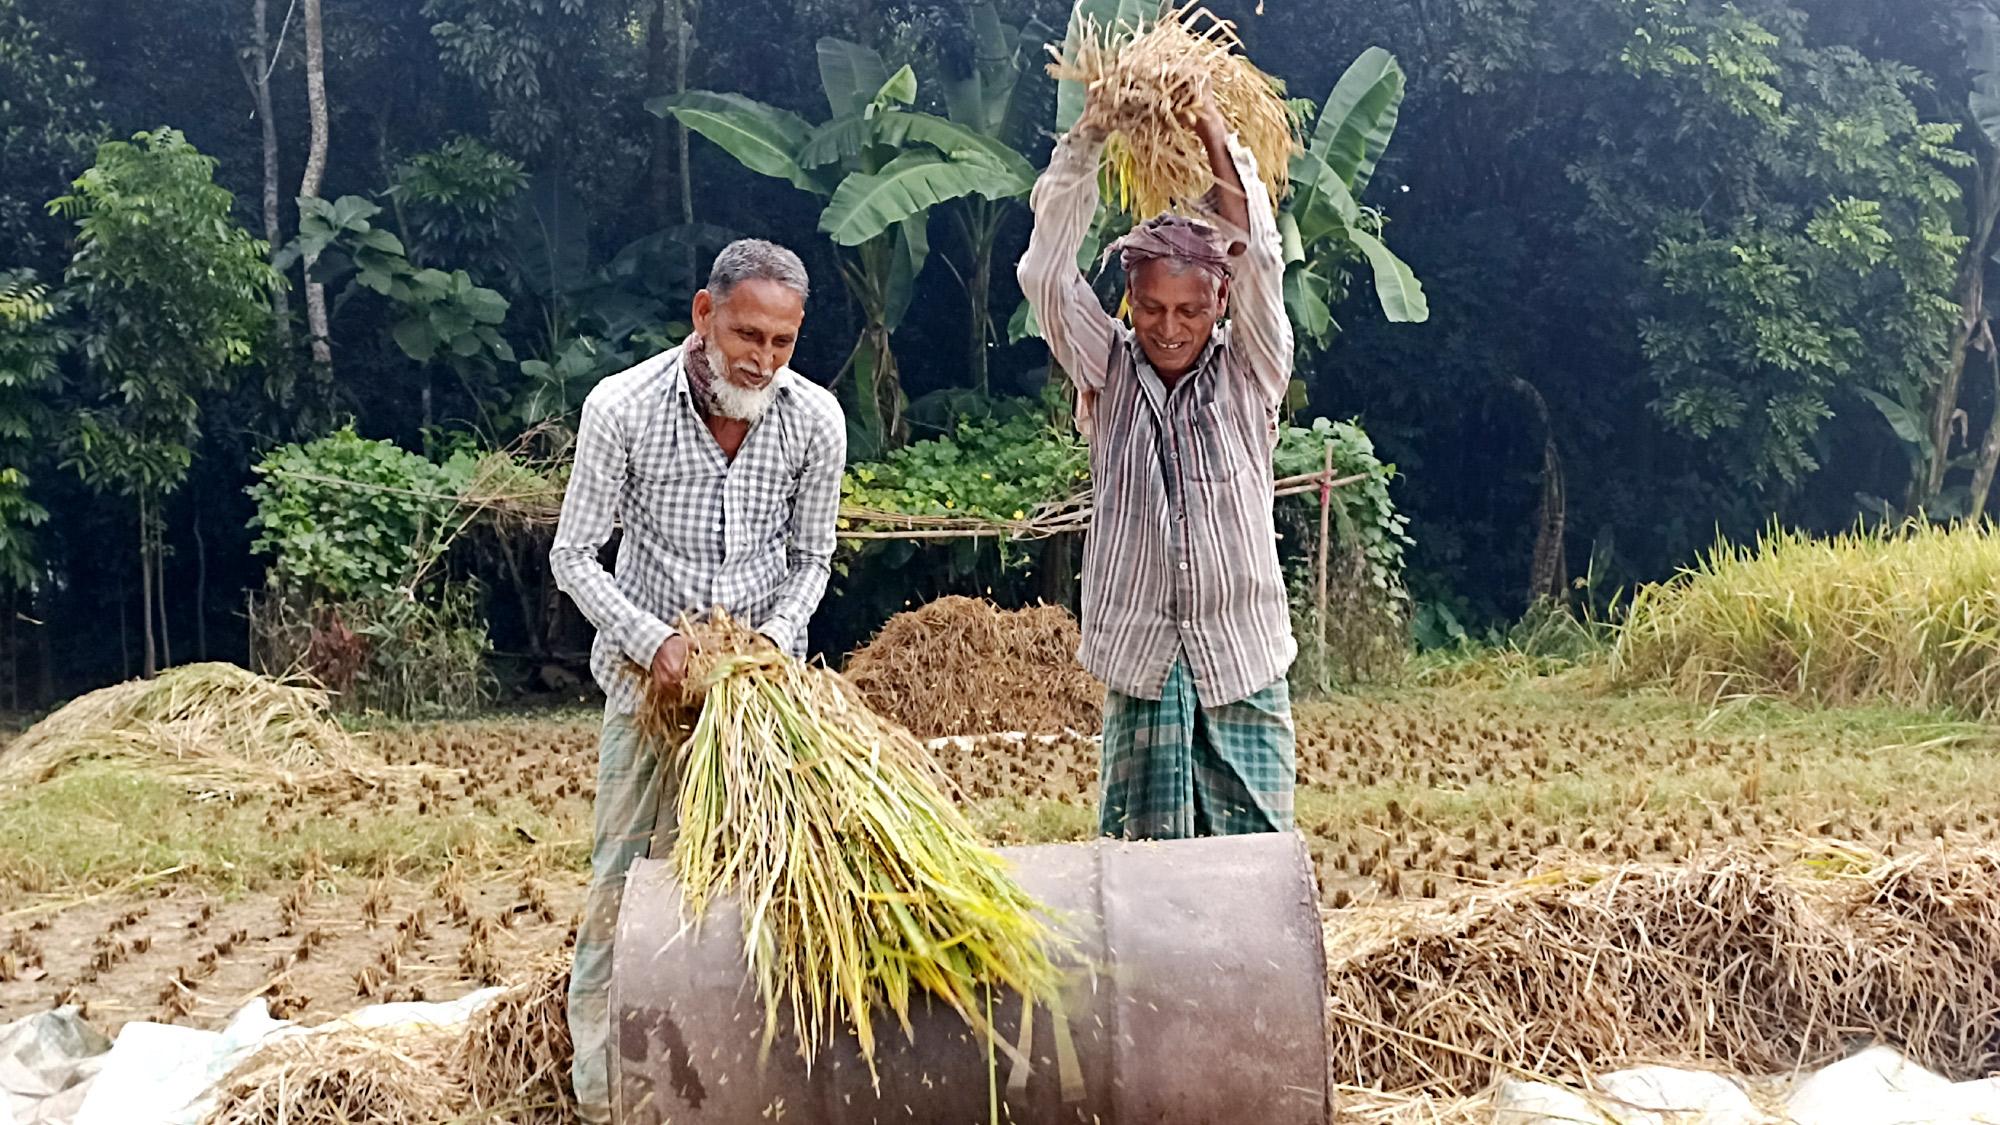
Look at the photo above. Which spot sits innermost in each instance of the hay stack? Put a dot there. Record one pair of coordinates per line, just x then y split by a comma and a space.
1149, 79
344, 1078
1732, 959
863, 885
963, 666
515, 1057
213, 721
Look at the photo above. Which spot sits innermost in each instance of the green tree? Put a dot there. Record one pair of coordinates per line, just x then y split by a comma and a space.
31, 341
1803, 251
882, 167
48, 128
440, 316
453, 203
175, 294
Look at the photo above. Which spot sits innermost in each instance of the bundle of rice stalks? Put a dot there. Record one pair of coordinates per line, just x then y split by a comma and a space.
516, 1053
860, 882
204, 721
1733, 959
963, 666
1909, 616
1148, 79
343, 1078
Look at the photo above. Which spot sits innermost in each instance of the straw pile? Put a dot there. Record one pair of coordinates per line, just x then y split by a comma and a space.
343, 1078
213, 722
1147, 80
515, 1057
963, 666
1731, 959
861, 882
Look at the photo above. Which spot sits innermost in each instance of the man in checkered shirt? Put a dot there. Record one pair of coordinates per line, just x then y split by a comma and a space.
722, 466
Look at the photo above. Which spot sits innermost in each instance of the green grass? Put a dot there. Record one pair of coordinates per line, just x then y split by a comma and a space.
100, 824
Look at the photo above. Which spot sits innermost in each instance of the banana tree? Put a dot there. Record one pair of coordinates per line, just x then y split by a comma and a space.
1323, 226
998, 97
882, 167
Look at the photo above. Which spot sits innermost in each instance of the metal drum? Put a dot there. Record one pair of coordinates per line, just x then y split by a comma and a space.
1197, 997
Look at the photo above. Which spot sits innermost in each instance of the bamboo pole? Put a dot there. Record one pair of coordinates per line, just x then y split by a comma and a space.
1325, 510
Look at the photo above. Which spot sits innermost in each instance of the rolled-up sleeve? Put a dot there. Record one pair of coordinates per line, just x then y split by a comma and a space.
1259, 330
1078, 330
589, 514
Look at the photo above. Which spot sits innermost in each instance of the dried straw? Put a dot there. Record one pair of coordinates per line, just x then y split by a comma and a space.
515, 1057
861, 883
963, 666
343, 1078
215, 722
1734, 959
1149, 78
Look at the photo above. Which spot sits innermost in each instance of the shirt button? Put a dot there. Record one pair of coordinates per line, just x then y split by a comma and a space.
1185, 625
1184, 564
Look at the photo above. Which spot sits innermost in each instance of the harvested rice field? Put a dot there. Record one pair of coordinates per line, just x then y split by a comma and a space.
154, 895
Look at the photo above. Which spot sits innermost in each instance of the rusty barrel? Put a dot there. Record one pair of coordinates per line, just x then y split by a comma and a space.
1196, 997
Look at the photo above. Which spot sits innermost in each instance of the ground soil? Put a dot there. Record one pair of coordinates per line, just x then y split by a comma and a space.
1404, 795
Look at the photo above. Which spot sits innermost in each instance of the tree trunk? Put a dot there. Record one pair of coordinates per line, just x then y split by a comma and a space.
322, 345
980, 231
160, 590
1989, 449
257, 66
685, 13
1984, 209
200, 589
150, 664
659, 161
1547, 574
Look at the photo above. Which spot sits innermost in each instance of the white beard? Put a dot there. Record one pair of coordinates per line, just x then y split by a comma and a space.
741, 403
729, 400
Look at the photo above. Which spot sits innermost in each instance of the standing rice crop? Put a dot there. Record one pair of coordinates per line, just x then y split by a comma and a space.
1149, 79
860, 883
1903, 615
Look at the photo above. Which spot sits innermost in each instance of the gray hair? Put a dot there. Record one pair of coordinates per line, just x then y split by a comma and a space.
749, 259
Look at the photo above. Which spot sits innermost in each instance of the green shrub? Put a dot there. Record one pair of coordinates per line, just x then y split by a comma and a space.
346, 516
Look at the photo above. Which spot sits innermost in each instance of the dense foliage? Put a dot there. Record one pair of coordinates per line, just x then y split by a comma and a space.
1686, 266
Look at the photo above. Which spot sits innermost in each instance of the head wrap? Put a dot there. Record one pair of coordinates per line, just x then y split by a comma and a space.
1173, 238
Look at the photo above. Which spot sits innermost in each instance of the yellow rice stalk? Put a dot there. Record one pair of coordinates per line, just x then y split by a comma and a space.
1150, 79
860, 883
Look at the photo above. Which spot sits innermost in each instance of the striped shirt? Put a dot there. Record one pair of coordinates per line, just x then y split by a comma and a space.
1182, 555
753, 536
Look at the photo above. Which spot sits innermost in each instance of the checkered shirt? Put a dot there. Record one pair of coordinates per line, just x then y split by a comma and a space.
1182, 553
754, 536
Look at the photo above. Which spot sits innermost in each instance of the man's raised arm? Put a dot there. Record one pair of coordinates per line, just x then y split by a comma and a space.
1077, 328
1260, 330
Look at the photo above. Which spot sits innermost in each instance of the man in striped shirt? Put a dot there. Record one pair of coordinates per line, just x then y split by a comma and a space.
1184, 611
721, 466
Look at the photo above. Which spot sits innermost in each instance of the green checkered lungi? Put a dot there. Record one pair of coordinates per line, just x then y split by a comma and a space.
1174, 769
636, 814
